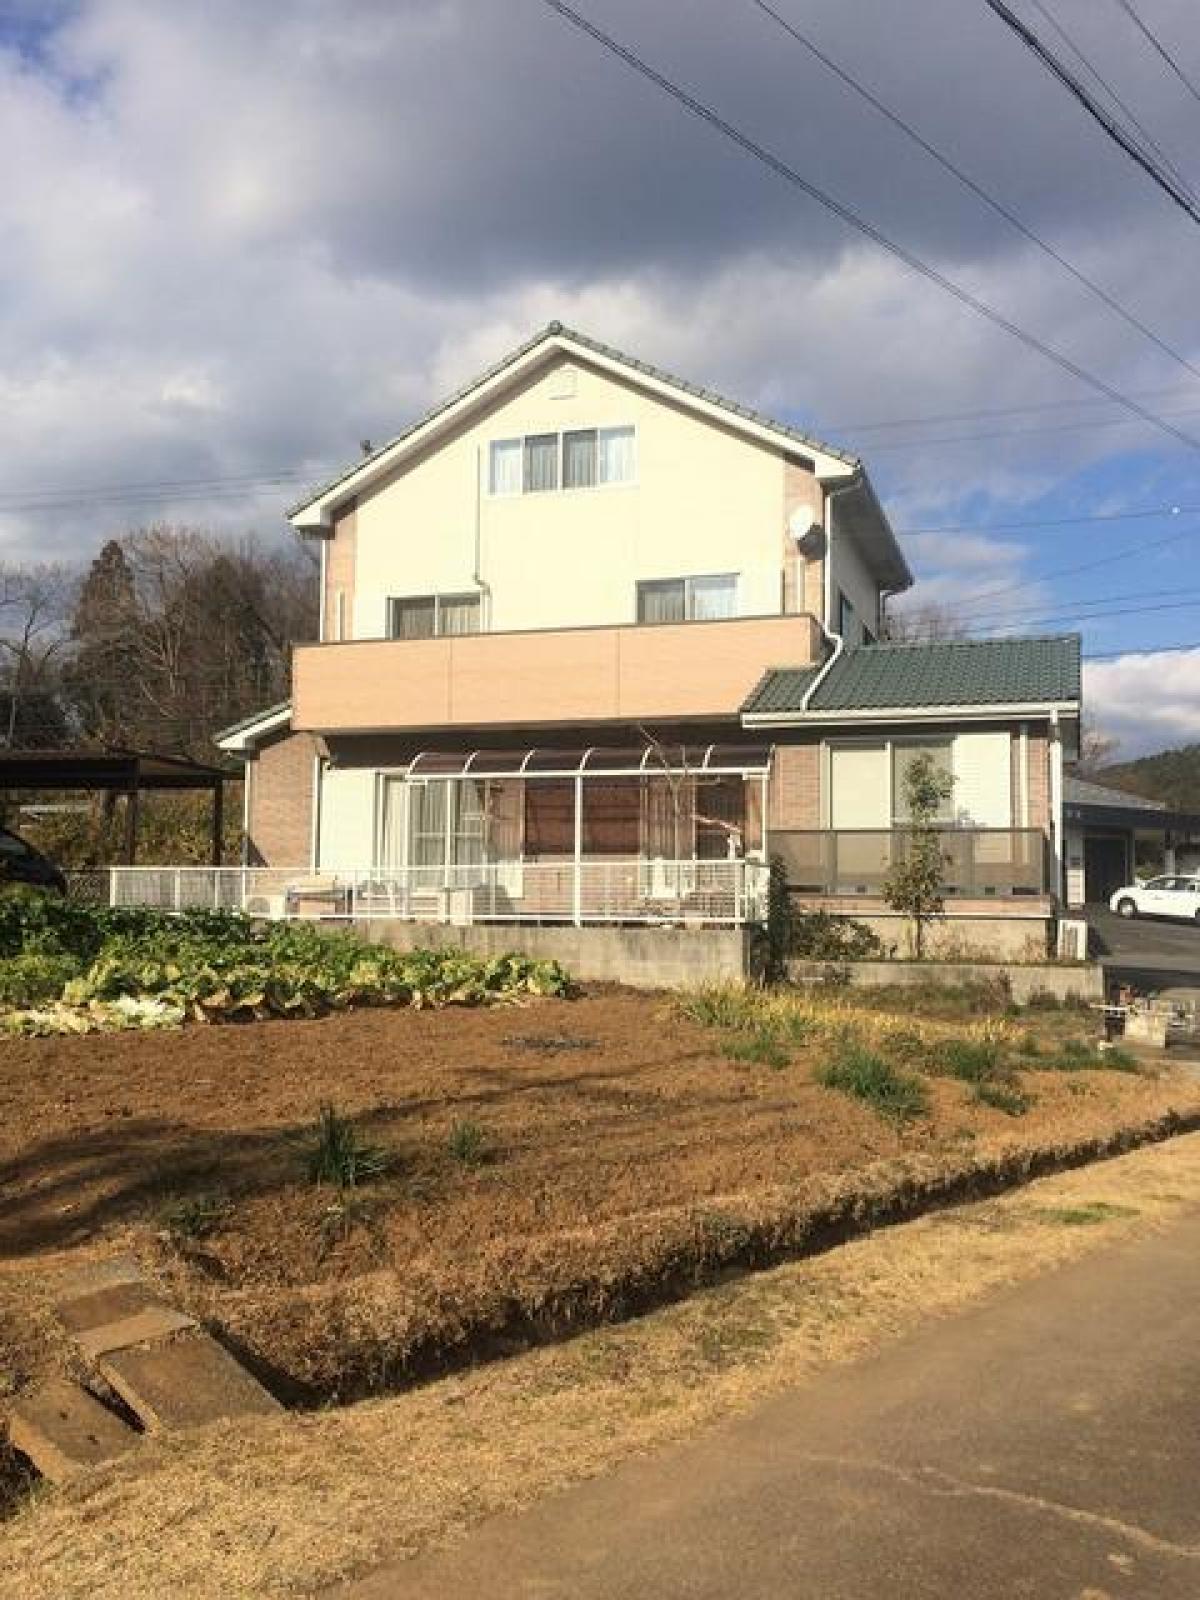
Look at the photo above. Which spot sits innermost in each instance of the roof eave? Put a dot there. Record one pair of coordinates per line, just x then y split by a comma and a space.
314, 514
975, 711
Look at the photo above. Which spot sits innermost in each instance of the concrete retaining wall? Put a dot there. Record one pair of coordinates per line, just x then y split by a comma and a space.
1084, 982
645, 958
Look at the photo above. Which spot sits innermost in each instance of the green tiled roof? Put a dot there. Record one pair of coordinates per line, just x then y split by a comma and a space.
943, 672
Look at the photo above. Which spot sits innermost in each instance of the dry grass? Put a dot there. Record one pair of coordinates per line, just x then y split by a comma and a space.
288, 1506
618, 1174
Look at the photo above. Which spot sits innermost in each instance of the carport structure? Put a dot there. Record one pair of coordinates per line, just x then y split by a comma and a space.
113, 773
1102, 829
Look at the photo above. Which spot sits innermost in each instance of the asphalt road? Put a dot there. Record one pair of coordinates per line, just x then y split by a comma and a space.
1147, 951
1045, 1445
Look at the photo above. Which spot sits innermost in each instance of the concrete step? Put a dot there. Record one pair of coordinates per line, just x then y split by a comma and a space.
183, 1382
120, 1314
64, 1430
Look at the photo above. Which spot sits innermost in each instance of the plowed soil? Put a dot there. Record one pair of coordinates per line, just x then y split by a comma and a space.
621, 1151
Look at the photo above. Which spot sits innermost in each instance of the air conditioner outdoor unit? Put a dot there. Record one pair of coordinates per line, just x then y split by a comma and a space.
271, 906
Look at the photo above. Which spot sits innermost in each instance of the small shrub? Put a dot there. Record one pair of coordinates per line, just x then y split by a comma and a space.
821, 936
470, 1144
1118, 1059
337, 1154
1002, 1095
760, 1048
34, 979
898, 1096
971, 1060
193, 1216
1028, 1045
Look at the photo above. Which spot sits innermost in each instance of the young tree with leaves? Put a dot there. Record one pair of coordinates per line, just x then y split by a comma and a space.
915, 882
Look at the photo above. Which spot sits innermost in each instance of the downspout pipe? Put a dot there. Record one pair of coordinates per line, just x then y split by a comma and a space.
835, 639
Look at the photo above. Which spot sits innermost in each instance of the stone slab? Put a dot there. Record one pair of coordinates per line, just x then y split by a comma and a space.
155, 1322
112, 1303
64, 1430
184, 1383
77, 1281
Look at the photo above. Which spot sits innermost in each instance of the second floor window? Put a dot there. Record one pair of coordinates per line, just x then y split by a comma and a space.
580, 458
431, 616
703, 599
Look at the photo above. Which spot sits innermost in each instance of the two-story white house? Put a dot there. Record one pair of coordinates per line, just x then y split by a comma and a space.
596, 642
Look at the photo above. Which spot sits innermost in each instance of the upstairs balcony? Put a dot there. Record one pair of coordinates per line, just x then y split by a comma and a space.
638, 673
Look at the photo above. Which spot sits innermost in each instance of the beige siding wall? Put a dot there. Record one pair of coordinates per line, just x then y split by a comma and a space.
280, 779
704, 500
584, 675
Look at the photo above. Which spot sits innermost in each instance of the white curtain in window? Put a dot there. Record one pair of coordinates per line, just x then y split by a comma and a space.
458, 613
712, 598
505, 472
391, 831
413, 618
616, 457
541, 462
579, 459
661, 602
427, 824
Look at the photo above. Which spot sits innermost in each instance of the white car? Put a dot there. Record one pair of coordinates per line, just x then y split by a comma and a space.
1160, 897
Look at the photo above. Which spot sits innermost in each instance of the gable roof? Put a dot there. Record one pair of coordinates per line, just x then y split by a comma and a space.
951, 673
313, 510
240, 735
1083, 792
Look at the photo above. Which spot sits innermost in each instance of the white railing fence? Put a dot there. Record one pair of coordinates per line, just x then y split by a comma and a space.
623, 889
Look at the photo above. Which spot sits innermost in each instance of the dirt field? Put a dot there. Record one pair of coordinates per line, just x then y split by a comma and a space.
617, 1157
288, 1505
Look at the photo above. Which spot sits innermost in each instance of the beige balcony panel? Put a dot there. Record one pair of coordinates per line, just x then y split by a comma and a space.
562, 676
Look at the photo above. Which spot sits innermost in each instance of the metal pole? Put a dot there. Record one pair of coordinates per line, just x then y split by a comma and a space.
578, 849
218, 820
131, 825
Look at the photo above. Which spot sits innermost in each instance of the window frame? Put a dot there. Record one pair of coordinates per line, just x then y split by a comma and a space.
598, 430
451, 597
687, 579
888, 742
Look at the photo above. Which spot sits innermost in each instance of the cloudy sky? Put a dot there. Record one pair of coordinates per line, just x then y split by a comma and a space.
235, 239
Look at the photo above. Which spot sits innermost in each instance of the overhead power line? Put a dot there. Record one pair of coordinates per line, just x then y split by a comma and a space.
853, 219
975, 187
1052, 522
1160, 49
1158, 169
1141, 650
1122, 106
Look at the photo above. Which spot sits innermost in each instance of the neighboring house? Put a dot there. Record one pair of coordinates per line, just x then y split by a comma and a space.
1105, 829
595, 642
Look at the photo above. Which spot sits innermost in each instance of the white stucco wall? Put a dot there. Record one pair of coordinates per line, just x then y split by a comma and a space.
704, 500
346, 827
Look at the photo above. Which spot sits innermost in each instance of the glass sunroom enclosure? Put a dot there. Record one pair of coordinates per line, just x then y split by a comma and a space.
593, 834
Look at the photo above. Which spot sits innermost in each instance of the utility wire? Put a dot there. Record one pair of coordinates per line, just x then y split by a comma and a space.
1125, 553
1150, 142
791, 175
1157, 45
882, 446
970, 183
1160, 171
1052, 522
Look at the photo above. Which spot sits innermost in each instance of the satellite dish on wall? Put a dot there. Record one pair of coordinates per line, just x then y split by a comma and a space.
805, 528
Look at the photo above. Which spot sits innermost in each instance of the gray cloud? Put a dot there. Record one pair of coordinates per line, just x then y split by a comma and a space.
239, 238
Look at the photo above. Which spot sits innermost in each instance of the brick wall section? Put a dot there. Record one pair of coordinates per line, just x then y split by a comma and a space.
1039, 781
339, 573
794, 799
801, 590
280, 811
